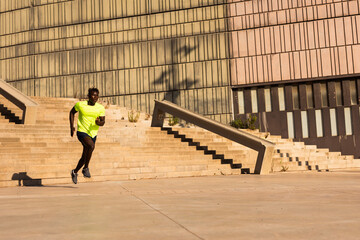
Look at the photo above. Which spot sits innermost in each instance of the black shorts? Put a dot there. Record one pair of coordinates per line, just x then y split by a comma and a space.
81, 135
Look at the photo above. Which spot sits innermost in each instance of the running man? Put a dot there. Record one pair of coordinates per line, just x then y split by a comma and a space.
91, 116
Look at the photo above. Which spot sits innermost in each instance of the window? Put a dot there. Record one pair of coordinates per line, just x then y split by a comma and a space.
290, 123
353, 95
295, 97
241, 102
254, 104
324, 95
267, 99
348, 127
319, 125
281, 95
304, 124
338, 94
309, 96
333, 122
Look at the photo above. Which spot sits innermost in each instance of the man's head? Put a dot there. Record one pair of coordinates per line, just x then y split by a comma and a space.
93, 95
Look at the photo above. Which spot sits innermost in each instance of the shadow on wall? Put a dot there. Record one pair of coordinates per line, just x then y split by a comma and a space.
170, 77
4, 111
26, 180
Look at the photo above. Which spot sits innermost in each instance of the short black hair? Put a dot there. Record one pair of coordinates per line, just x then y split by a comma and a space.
93, 90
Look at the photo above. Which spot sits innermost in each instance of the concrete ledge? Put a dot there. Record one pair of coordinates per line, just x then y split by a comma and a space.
22, 101
265, 148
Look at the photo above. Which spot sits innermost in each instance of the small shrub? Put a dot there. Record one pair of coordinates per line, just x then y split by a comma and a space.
173, 121
133, 116
237, 123
251, 120
249, 123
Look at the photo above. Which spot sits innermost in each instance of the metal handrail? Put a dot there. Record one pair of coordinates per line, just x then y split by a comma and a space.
22, 101
265, 148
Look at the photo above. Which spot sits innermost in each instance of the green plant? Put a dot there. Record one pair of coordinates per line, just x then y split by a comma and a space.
251, 120
173, 121
249, 123
133, 116
237, 123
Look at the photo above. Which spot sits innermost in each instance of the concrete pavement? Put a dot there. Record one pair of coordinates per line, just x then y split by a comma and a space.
279, 206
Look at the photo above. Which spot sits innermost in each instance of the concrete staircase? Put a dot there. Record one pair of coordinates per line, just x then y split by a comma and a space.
288, 156
44, 153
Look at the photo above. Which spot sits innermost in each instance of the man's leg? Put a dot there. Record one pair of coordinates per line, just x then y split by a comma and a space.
82, 160
90, 146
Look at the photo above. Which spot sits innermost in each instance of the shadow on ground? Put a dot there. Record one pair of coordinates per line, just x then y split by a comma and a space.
27, 181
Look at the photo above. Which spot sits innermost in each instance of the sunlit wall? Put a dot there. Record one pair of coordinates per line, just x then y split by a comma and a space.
134, 51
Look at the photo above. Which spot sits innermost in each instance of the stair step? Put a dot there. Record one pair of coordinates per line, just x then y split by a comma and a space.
124, 150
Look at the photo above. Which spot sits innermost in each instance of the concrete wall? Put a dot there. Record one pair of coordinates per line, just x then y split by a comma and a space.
133, 50
286, 40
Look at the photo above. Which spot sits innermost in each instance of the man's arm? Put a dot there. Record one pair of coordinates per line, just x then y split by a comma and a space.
71, 119
100, 121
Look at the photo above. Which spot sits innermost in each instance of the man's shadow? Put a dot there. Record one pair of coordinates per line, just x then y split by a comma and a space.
26, 181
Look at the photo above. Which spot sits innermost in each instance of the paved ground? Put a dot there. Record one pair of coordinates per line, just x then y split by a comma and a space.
281, 206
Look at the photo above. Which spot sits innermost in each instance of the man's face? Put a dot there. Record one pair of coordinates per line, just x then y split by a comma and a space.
93, 97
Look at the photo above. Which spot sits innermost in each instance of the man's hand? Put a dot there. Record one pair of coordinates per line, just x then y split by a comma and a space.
97, 121
100, 121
